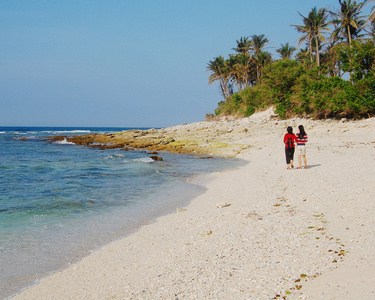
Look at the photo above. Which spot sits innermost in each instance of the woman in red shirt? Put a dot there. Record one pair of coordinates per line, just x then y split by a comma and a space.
289, 139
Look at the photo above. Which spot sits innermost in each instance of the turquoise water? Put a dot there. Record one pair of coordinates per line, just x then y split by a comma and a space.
59, 201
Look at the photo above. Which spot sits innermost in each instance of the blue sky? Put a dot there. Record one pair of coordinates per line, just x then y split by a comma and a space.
126, 63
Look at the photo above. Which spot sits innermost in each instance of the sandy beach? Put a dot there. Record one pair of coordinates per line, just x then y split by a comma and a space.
258, 232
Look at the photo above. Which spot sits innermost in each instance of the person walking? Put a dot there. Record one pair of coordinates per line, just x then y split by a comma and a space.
301, 146
289, 139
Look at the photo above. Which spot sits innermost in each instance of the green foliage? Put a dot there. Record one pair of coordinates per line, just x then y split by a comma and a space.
246, 102
295, 89
281, 77
358, 59
338, 44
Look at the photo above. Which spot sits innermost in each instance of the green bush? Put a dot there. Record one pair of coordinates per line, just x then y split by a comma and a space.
296, 90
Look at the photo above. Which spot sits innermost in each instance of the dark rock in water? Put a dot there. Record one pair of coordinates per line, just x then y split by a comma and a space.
157, 158
57, 138
204, 157
154, 152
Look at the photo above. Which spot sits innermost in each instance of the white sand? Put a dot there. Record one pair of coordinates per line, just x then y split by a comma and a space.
303, 234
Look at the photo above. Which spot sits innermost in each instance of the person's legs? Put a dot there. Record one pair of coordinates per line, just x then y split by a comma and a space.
292, 157
305, 161
303, 152
287, 156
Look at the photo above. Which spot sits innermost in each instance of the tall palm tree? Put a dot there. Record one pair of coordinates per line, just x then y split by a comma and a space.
219, 71
286, 51
348, 20
258, 43
315, 24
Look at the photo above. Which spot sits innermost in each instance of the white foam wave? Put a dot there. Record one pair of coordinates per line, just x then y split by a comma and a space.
64, 142
114, 156
67, 131
144, 160
31, 137
2, 132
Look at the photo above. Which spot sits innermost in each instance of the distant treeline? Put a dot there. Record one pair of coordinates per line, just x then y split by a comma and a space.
333, 76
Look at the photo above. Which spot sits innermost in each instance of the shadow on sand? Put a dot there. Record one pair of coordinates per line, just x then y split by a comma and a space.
312, 166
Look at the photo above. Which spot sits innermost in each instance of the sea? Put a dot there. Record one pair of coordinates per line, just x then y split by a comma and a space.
60, 201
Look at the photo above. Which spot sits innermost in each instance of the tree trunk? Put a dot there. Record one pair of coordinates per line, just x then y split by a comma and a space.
224, 88
317, 53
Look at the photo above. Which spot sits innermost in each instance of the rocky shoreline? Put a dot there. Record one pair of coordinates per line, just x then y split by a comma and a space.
199, 140
225, 137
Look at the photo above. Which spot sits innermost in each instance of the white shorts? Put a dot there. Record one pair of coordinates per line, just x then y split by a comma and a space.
301, 149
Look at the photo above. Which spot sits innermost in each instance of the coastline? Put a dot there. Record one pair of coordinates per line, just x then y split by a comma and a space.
257, 232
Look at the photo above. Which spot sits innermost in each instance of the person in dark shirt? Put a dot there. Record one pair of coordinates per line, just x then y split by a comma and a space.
289, 139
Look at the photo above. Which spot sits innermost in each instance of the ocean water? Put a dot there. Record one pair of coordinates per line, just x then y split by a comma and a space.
59, 201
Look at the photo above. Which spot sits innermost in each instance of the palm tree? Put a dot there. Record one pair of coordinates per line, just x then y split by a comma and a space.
348, 20
371, 18
371, 30
315, 24
258, 43
308, 36
331, 61
286, 51
239, 66
262, 59
243, 46
370, 22
219, 70
303, 56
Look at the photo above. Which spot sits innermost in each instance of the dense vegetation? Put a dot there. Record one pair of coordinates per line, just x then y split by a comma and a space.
333, 76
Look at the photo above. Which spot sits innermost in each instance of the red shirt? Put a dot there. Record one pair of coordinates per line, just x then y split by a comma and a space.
289, 136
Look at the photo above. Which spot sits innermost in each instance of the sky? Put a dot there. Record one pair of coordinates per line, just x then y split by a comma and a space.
127, 63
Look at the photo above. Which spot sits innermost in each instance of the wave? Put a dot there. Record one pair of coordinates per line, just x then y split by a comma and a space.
64, 142
144, 160
2, 132
114, 156
24, 138
66, 131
